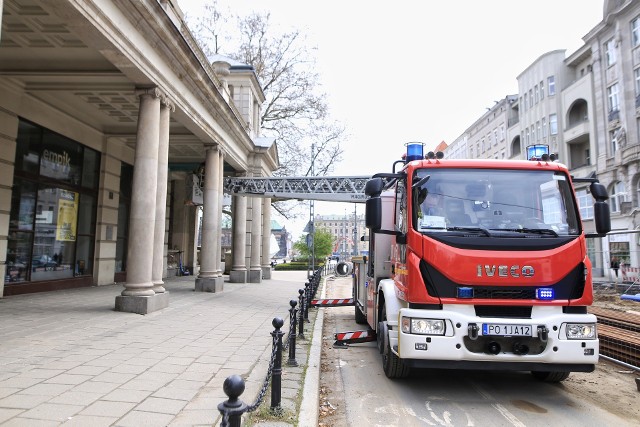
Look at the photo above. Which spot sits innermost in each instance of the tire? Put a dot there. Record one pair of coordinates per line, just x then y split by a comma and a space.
550, 377
392, 365
361, 319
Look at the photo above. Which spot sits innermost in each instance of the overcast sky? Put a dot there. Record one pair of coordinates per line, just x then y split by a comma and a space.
420, 70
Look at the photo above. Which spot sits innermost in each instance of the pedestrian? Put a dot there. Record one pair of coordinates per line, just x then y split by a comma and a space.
615, 265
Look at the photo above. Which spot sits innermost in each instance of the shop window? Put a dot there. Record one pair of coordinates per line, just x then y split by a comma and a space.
53, 209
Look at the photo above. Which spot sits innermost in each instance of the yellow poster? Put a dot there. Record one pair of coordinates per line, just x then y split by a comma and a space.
67, 216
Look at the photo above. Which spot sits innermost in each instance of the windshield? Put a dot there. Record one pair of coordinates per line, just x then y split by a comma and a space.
492, 202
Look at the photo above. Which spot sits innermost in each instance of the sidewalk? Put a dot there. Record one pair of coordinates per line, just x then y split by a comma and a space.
67, 358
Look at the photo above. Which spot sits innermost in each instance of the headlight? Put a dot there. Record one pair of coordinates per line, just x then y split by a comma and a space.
581, 331
422, 326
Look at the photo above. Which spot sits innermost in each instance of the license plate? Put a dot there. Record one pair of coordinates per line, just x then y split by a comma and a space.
506, 330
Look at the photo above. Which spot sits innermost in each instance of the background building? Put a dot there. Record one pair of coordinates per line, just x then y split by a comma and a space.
347, 231
586, 109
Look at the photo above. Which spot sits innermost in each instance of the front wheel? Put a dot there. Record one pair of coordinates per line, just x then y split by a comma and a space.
550, 377
392, 365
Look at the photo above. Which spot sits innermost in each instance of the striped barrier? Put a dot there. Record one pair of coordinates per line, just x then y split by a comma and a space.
354, 337
332, 302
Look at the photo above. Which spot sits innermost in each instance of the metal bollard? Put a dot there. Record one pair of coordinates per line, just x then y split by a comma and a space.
232, 408
301, 314
292, 333
307, 300
276, 373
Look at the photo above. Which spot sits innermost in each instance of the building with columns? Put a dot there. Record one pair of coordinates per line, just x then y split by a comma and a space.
107, 109
585, 108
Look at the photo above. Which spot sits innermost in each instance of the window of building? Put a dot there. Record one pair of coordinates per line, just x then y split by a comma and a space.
526, 101
610, 52
482, 145
585, 204
541, 90
124, 207
53, 207
533, 133
617, 196
539, 130
544, 127
553, 124
614, 141
527, 137
551, 84
501, 132
495, 137
535, 93
636, 75
635, 32
612, 95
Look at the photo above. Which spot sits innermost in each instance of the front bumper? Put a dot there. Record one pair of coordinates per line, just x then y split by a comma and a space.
556, 353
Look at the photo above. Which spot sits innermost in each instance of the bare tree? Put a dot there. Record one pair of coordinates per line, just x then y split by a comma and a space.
295, 111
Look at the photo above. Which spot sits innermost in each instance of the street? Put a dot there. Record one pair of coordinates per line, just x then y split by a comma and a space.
355, 391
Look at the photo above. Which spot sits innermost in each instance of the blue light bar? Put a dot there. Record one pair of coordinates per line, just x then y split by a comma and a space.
545, 293
415, 151
465, 292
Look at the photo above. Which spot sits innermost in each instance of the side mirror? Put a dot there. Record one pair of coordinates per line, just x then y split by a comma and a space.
602, 217
374, 187
373, 213
598, 192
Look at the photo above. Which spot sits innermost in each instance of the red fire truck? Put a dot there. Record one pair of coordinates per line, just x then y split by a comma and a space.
479, 264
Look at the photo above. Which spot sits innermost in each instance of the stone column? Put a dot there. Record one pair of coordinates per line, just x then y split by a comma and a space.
207, 280
266, 238
220, 271
239, 267
138, 295
255, 267
161, 198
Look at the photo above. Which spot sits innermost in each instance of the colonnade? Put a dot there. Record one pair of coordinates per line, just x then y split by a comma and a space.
144, 291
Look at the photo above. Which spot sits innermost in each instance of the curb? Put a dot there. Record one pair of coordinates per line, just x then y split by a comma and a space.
308, 415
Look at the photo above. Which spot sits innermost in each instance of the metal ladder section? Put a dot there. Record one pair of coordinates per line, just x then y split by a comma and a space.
331, 189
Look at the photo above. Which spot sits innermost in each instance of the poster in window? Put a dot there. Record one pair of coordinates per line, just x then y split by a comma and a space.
67, 216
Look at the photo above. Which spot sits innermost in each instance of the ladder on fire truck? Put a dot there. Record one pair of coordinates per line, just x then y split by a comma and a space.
330, 189
324, 188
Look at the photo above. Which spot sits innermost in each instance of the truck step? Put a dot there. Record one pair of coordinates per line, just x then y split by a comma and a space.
334, 302
343, 339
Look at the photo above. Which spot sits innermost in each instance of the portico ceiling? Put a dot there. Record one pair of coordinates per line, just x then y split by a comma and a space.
42, 55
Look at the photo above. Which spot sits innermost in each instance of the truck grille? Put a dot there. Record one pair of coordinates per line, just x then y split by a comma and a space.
486, 292
519, 312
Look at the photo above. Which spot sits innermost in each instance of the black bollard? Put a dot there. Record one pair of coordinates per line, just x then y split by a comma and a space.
276, 373
301, 314
232, 408
307, 300
292, 333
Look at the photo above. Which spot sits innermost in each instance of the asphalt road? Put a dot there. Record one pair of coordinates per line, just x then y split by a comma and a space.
360, 393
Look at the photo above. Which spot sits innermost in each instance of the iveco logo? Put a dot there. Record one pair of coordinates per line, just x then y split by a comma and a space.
505, 271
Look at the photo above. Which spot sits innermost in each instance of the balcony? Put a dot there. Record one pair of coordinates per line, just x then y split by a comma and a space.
614, 115
576, 131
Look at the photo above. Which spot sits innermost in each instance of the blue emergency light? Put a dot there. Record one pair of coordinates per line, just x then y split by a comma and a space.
465, 292
545, 293
415, 151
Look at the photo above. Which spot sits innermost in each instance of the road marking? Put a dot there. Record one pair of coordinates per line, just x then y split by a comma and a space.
503, 411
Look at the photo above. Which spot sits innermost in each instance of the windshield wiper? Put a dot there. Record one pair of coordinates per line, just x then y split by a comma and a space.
546, 231
482, 230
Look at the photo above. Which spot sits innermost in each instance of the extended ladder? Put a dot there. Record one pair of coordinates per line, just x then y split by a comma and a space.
331, 189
